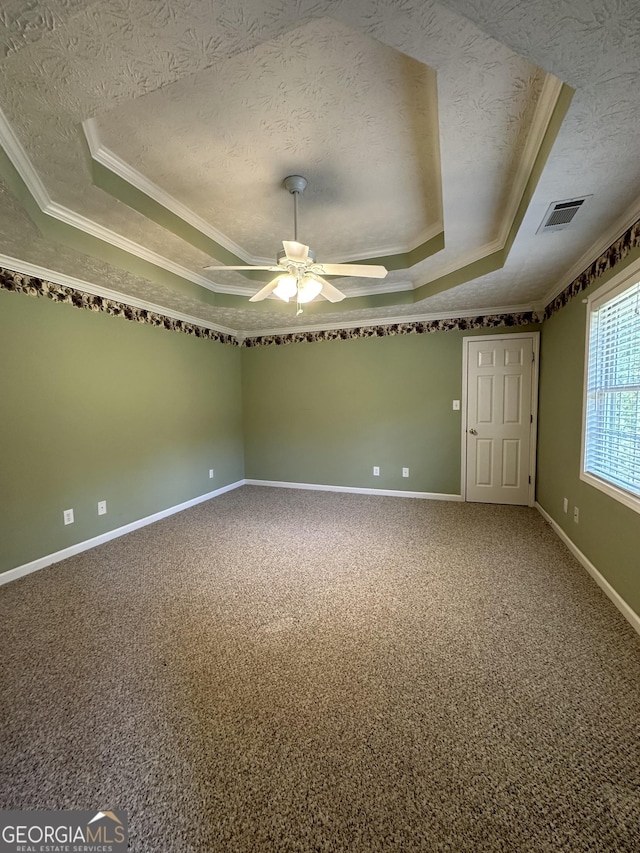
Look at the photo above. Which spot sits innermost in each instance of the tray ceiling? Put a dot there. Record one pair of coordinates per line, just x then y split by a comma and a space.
220, 142
144, 141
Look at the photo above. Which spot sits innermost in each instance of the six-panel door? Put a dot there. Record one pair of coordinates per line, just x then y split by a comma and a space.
499, 377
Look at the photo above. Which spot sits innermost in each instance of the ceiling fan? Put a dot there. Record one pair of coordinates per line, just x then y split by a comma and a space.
299, 275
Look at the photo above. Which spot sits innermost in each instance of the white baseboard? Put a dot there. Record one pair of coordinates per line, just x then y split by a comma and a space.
42, 562
396, 493
627, 611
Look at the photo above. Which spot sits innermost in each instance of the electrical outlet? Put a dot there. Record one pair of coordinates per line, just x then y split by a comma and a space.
576, 514
211, 473
456, 405
376, 471
565, 504
102, 507
405, 472
68, 516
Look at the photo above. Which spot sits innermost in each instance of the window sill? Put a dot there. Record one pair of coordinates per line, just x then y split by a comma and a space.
618, 494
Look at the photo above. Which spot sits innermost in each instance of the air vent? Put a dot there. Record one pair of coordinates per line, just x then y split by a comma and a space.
561, 213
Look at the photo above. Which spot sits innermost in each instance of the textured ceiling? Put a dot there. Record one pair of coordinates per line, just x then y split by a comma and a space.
221, 141
407, 117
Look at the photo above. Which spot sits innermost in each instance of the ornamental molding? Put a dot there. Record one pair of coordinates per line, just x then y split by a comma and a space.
107, 158
23, 165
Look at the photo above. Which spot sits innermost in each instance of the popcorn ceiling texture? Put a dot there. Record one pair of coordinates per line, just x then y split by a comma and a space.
280, 670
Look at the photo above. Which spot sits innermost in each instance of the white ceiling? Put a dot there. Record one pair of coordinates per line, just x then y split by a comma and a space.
220, 142
407, 117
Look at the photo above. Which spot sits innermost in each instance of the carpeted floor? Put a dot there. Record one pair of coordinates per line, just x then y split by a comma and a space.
281, 670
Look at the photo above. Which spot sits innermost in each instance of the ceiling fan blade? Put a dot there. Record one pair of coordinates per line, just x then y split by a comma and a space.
245, 267
266, 290
331, 293
359, 270
297, 252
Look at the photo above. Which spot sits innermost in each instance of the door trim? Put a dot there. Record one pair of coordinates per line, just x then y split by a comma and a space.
535, 338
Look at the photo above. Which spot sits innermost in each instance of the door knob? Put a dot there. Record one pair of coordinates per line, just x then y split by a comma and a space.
473, 431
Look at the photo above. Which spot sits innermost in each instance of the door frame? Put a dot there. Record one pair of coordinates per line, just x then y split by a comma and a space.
535, 374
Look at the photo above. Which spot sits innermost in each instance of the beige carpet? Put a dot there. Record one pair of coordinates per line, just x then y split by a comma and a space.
282, 670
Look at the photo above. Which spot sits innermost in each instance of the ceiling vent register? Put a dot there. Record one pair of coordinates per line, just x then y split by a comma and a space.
561, 213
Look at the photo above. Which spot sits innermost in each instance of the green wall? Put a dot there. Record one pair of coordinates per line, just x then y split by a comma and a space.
608, 533
95, 407
327, 412
99, 408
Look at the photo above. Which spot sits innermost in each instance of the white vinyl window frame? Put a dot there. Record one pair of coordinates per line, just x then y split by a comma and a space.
594, 384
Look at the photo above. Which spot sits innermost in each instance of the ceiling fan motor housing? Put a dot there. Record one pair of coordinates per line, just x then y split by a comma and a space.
283, 260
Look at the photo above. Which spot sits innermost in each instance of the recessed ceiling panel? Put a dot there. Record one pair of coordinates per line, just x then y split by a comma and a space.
357, 118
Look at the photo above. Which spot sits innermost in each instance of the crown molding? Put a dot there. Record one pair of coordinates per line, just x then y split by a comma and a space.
362, 289
124, 170
547, 102
551, 91
23, 165
21, 162
235, 289
544, 111
383, 251
622, 224
55, 277
111, 161
390, 320
465, 260
94, 229
37, 271
18, 156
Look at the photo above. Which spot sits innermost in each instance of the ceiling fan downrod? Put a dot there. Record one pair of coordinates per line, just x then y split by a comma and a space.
296, 185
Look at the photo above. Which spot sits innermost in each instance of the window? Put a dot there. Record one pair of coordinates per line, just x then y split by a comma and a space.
611, 446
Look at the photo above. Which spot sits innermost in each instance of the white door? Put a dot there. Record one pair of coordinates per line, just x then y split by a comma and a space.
500, 428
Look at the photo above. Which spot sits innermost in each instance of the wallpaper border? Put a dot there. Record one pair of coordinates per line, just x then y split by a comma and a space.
488, 321
16, 282
33, 286
611, 256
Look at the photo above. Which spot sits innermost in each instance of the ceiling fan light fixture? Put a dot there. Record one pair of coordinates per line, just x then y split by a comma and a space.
308, 289
286, 287
301, 276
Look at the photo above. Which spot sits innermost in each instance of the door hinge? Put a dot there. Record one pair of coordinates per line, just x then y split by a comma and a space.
530, 419
533, 356
529, 479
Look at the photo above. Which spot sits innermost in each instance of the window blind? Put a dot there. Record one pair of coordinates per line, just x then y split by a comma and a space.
612, 438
